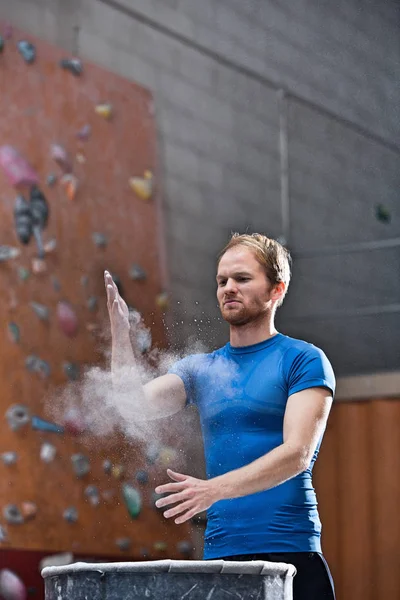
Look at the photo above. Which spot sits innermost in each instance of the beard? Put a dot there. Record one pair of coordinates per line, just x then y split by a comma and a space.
243, 316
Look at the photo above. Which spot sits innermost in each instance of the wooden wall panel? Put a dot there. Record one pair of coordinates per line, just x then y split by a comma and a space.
357, 483
385, 435
327, 484
41, 104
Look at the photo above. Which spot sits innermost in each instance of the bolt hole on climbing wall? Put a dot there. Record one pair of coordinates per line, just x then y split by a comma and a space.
79, 194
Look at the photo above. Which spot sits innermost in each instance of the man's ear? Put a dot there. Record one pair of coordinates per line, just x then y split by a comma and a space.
278, 291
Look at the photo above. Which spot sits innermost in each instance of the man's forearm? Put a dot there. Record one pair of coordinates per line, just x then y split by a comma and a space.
126, 382
272, 469
121, 353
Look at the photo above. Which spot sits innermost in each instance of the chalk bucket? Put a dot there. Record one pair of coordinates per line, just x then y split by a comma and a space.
170, 580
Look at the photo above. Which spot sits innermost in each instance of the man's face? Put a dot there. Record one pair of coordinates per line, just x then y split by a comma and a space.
243, 292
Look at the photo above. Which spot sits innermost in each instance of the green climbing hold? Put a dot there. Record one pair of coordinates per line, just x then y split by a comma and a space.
14, 333
132, 499
23, 273
1, 44
382, 213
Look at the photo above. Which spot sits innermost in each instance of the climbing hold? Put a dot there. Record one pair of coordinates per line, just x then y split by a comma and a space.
50, 246
142, 477
160, 546
16, 168
144, 552
84, 133
117, 471
1, 44
143, 340
23, 273
132, 499
55, 282
70, 184
152, 453
17, 416
124, 544
92, 494
80, 464
100, 240
74, 422
185, 547
382, 213
23, 220
14, 332
3, 534
27, 51
143, 186
92, 328
70, 514
67, 319
61, 156
71, 370
41, 311
12, 586
42, 425
104, 110
47, 452
137, 273
8, 253
9, 458
51, 179
162, 300
92, 303
80, 158
12, 514
34, 364
84, 280
107, 466
74, 65
28, 510
39, 216
39, 266
167, 456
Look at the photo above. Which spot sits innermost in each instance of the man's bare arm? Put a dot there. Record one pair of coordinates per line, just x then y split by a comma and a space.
304, 423
161, 397
305, 420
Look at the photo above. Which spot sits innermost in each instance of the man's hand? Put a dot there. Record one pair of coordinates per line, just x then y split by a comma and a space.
191, 496
117, 308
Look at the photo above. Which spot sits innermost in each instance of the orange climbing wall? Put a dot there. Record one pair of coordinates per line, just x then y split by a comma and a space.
42, 104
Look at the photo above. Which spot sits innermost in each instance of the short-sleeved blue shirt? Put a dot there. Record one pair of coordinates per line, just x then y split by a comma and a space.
241, 395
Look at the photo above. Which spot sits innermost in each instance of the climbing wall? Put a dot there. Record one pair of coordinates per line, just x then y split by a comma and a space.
78, 194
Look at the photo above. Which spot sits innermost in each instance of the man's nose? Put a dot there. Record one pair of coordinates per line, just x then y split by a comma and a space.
230, 286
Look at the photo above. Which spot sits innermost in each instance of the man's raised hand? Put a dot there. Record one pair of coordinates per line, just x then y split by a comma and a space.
117, 308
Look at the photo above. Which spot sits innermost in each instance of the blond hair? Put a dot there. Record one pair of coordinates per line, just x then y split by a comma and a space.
271, 255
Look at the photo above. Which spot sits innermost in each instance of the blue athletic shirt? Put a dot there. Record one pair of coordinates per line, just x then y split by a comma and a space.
241, 395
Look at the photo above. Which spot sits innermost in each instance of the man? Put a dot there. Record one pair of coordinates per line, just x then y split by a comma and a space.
264, 400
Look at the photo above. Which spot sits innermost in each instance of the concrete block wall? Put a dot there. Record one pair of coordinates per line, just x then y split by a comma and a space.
215, 68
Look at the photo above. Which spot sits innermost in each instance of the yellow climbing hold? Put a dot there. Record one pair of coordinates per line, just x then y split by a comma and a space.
143, 186
104, 110
162, 300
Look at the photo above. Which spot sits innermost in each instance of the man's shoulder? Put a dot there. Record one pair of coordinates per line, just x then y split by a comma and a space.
294, 346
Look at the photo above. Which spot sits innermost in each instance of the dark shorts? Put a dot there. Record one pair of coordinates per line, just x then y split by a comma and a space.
313, 580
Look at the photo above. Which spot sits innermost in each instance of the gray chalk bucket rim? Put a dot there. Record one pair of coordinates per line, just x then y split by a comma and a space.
256, 567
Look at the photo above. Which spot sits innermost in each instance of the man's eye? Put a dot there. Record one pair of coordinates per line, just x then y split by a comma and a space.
221, 283
243, 278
